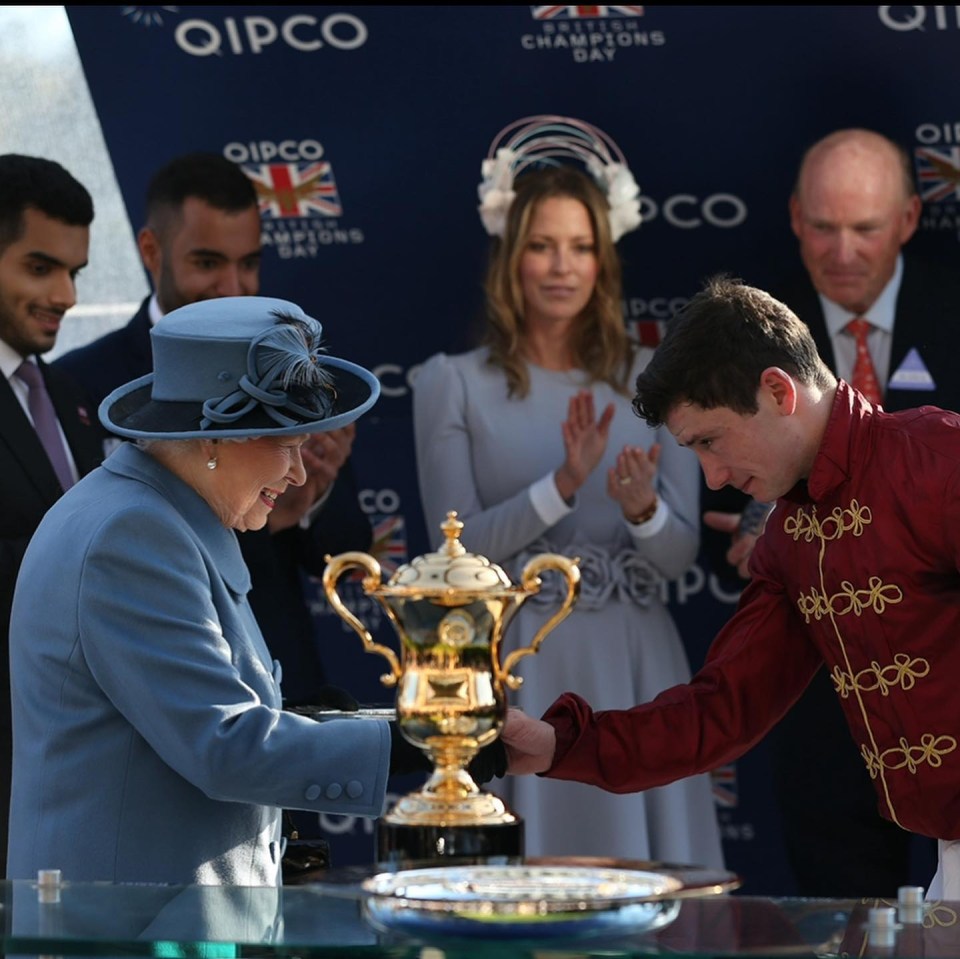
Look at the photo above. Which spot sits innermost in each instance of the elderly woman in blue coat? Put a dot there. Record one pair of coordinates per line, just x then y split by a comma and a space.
149, 740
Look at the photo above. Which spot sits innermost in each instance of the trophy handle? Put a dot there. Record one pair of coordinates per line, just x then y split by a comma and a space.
530, 581
336, 567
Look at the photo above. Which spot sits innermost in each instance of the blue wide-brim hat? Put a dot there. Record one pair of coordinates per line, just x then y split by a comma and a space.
239, 366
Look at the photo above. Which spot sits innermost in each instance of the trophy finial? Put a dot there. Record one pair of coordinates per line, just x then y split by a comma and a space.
451, 527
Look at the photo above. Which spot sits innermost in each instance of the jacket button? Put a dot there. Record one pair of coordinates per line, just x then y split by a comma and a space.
334, 791
312, 793
354, 789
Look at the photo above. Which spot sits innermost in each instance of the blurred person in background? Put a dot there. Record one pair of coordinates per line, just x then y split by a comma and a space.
48, 432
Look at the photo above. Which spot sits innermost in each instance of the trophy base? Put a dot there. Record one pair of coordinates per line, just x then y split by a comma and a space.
408, 846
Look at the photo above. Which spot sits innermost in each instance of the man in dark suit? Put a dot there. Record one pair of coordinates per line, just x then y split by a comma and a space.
201, 240
853, 208
45, 217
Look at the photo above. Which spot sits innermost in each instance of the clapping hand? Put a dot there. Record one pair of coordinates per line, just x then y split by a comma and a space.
323, 455
585, 438
631, 483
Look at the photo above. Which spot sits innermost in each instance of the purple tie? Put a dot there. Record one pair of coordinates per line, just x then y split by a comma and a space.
45, 421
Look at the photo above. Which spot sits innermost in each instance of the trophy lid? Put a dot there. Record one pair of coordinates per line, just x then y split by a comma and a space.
450, 570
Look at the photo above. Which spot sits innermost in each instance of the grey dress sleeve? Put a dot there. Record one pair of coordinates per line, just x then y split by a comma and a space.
447, 472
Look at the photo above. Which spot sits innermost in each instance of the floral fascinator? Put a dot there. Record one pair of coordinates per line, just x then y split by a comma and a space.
239, 366
544, 140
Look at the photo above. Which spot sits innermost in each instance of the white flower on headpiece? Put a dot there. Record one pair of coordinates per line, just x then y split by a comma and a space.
496, 191
623, 195
543, 139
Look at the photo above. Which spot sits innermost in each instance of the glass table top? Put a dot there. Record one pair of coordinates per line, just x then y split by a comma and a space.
333, 917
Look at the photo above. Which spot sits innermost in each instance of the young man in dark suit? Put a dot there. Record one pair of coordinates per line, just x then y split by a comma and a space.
45, 217
853, 209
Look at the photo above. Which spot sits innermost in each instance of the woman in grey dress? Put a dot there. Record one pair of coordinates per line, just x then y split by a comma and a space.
531, 438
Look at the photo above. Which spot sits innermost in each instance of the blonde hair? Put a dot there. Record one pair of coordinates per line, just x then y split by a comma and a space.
599, 341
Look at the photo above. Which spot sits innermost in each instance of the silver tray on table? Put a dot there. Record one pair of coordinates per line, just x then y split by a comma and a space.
539, 899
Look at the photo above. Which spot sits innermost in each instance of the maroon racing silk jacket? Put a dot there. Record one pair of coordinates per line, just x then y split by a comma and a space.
857, 569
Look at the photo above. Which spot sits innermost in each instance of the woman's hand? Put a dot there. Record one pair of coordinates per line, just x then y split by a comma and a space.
632, 482
585, 441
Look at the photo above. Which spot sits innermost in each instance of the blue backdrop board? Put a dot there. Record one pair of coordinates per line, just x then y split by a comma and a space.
364, 129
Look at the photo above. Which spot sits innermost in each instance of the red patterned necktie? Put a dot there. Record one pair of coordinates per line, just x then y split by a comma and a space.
45, 421
864, 375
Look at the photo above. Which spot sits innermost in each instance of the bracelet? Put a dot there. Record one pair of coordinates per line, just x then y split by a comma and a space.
646, 515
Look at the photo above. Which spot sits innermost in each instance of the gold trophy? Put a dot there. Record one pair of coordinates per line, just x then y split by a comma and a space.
450, 609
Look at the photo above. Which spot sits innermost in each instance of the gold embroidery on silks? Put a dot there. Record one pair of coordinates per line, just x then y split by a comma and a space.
850, 600
931, 751
806, 526
818, 604
903, 673
938, 914
935, 914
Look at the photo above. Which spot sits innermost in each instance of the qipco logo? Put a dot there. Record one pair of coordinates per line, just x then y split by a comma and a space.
687, 212
302, 31
263, 151
935, 134
920, 18
394, 380
385, 501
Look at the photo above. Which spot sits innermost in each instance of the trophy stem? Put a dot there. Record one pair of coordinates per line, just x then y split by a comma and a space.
406, 847
450, 797
450, 817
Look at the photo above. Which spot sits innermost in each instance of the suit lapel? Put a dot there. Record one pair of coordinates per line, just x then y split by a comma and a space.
924, 307
140, 346
77, 420
24, 444
904, 336
908, 327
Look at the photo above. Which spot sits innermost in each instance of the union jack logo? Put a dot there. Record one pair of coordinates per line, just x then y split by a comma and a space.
389, 543
724, 782
147, 16
646, 332
295, 189
584, 13
938, 172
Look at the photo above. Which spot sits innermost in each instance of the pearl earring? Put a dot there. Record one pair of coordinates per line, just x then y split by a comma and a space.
212, 463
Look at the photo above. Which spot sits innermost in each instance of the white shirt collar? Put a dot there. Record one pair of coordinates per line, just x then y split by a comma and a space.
153, 308
10, 359
881, 314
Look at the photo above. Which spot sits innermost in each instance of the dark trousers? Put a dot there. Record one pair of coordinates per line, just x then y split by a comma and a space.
837, 842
